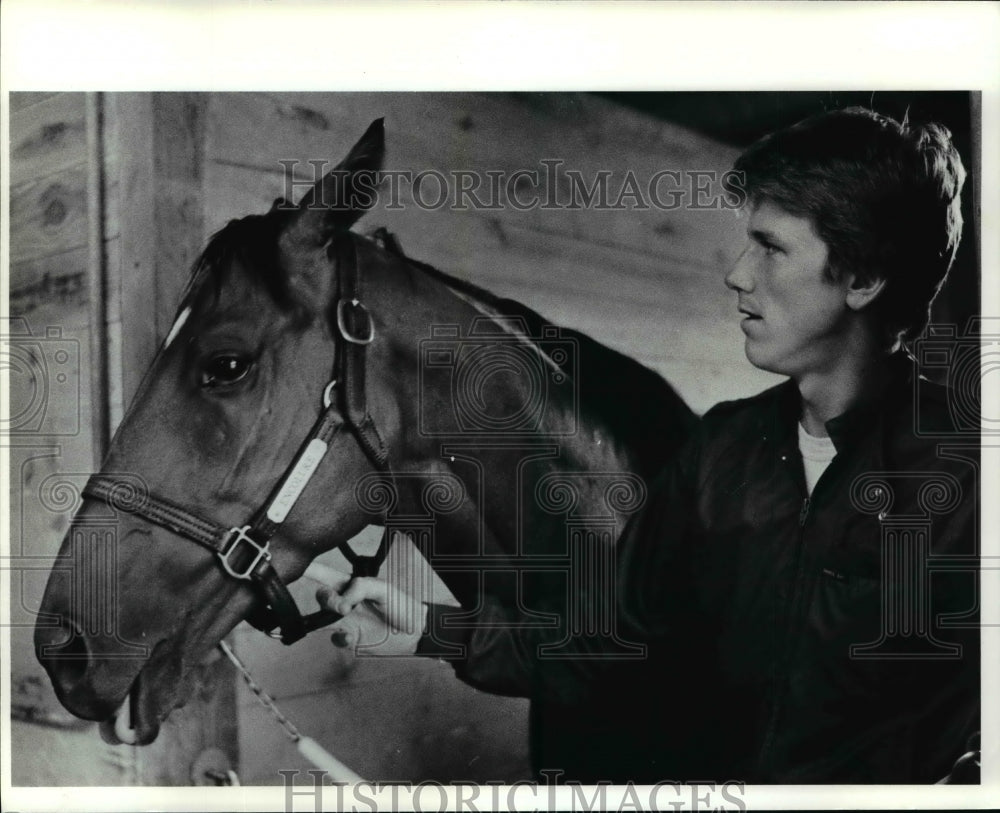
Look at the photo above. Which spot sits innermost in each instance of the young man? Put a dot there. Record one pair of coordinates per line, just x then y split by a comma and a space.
779, 575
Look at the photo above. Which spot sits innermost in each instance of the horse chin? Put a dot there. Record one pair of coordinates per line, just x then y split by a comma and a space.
157, 690
137, 721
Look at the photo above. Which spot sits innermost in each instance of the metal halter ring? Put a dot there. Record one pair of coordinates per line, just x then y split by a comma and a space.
342, 323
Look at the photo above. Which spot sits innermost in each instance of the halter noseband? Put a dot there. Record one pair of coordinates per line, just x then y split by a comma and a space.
244, 551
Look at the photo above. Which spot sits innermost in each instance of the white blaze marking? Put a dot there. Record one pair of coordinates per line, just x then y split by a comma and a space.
296, 481
181, 319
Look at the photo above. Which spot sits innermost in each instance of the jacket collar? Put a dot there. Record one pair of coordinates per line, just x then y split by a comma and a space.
858, 423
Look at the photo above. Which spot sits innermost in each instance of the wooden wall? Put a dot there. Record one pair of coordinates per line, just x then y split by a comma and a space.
88, 251
176, 167
48, 294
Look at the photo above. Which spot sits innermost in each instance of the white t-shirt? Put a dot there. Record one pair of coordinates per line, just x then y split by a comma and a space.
816, 456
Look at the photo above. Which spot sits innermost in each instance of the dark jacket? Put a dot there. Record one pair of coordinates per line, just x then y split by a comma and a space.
788, 639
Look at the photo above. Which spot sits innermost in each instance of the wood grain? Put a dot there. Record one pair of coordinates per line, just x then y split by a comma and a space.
46, 135
20, 99
134, 276
495, 132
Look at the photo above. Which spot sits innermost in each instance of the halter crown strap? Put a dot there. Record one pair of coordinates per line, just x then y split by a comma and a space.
357, 331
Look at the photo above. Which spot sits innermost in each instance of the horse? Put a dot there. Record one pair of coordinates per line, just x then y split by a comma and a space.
316, 381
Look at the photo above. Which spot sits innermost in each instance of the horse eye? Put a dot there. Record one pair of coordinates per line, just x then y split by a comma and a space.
225, 369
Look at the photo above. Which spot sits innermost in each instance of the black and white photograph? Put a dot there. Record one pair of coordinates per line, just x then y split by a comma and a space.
396, 442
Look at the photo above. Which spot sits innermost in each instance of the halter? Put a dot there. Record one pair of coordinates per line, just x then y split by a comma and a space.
244, 551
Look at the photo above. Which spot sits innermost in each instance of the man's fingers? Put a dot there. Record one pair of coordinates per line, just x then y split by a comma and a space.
396, 608
327, 597
358, 590
326, 575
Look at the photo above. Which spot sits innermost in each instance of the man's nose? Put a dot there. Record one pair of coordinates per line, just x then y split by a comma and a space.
739, 277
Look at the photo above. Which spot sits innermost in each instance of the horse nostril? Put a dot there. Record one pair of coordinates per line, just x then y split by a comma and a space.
67, 660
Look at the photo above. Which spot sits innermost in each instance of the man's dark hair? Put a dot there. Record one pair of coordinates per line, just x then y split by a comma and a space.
883, 196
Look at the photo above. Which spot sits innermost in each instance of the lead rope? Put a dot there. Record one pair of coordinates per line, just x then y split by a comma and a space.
307, 746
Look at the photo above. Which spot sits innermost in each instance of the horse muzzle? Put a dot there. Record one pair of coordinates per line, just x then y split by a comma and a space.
89, 633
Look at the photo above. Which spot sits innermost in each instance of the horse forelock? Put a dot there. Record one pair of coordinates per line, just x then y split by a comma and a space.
248, 246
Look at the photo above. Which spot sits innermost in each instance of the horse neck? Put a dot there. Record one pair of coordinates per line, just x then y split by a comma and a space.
500, 476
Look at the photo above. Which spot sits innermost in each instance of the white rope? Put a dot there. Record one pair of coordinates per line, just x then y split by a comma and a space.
307, 746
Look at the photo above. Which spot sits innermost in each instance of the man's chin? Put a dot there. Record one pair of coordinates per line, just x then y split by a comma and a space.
763, 361
755, 356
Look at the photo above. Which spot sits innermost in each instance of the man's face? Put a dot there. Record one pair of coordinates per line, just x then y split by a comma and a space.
795, 319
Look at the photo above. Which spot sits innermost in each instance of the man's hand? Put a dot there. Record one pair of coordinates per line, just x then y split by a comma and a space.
379, 619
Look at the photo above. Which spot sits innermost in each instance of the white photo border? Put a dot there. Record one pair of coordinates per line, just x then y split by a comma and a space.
187, 45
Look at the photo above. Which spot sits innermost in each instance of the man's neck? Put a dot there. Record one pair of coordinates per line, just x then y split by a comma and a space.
828, 393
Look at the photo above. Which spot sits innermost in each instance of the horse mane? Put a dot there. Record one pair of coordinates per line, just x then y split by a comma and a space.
635, 403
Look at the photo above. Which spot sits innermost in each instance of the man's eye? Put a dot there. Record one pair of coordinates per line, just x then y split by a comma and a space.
224, 369
770, 248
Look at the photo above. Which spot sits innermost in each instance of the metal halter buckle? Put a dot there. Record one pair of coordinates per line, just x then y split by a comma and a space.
342, 322
242, 535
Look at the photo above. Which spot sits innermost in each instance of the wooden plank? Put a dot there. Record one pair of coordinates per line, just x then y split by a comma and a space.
48, 216
458, 129
130, 124
20, 99
178, 158
472, 132
56, 278
152, 165
477, 247
47, 137
60, 277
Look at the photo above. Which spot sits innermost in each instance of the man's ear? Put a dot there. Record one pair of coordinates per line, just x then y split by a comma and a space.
861, 293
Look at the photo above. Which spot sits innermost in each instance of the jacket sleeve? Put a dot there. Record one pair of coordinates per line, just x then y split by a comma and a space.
498, 653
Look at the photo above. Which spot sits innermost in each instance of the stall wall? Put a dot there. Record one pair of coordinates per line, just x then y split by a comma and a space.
100, 216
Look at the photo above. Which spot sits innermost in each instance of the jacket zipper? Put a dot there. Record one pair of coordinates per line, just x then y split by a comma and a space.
766, 752
803, 515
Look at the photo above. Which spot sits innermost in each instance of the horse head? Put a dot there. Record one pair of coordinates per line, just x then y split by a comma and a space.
230, 397
300, 356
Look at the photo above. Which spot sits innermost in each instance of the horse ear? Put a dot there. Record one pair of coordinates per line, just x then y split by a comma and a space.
345, 193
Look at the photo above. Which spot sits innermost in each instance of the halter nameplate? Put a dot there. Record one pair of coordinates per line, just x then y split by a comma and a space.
298, 478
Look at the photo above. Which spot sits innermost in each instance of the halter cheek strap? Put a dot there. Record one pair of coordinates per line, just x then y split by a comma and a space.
244, 551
